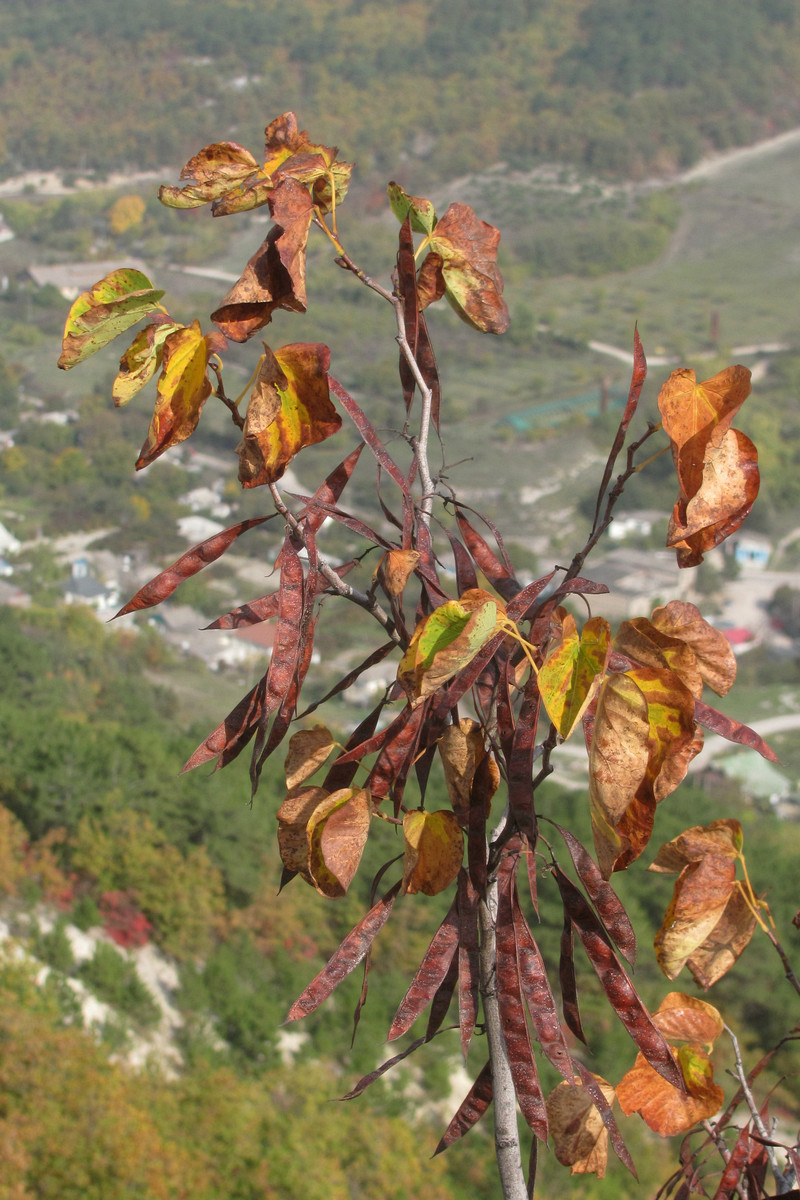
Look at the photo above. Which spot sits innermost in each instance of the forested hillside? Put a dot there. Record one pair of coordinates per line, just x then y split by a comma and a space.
621, 87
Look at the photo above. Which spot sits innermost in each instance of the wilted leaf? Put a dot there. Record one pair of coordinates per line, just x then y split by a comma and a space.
275, 275
714, 656
701, 894
290, 409
720, 837
683, 1018
337, 833
141, 360
462, 265
572, 669
423, 214
666, 1110
104, 311
213, 171
434, 849
308, 750
446, 641
617, 762
182, 390
395, 569
580, 1139
648, 646
725, 943
293, 817
462, 749
717, 466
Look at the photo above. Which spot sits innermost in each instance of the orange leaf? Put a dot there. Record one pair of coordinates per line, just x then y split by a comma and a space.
717, 466
395, 569
434, 850
289, 409
720, 837
580, 1138
714, 657
666, 1110
683, 1018
463, 266
182, 390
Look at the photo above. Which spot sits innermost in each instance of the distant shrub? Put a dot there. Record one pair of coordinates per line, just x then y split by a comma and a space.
113, 979
123, 921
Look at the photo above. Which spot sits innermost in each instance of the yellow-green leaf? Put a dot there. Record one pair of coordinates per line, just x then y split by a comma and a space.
423, 214
434, 850
648, 646
183, 389
141, 360
446, 641
572, 670
290, 408
104, 311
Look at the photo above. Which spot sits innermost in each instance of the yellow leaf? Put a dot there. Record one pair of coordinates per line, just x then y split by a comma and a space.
572, 670
434, 850
182, 390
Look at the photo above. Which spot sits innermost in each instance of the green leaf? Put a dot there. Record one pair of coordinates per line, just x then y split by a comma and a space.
103, 312
446, 641
423, 214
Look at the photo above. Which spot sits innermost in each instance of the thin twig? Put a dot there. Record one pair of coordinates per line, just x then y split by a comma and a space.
725, 1155
781, 1182
220, 393
339, 585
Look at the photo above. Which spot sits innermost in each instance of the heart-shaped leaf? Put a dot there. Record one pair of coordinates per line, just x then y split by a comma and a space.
290, 408
462, 265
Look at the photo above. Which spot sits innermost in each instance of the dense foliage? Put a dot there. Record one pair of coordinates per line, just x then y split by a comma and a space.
617, 86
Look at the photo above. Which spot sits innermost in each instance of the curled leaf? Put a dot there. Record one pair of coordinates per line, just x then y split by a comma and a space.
714, 656
141, 360
580, 1138
683, 1018
212, 172
717, 466
289, 409
337, 833
422, 212
462, 265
